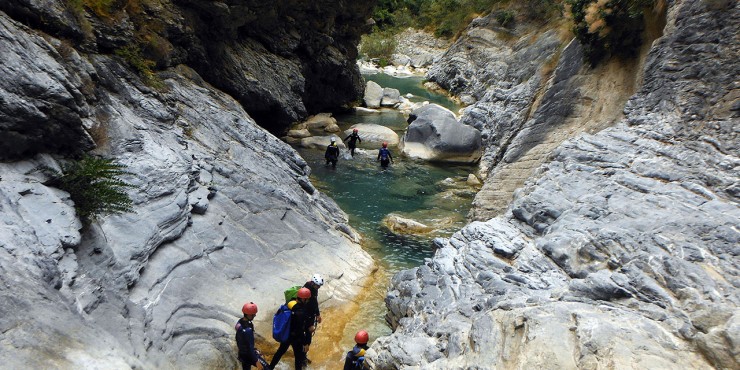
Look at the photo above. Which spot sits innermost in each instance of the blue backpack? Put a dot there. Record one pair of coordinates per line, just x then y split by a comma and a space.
281, 324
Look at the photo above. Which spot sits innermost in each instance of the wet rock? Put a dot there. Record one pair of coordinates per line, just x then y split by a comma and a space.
401, 225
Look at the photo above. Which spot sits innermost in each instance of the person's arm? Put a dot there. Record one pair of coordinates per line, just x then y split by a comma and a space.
358, 138
347, 138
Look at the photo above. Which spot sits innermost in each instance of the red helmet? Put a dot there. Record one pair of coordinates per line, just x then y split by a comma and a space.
355, 130
249, 308
304, 293
385, 145
361, 337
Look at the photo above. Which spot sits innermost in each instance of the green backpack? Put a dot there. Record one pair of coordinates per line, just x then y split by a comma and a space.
292, 293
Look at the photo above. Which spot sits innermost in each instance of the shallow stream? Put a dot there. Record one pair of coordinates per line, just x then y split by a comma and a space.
433, 194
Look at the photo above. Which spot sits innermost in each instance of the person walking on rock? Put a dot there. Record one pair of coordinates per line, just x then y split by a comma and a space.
332, 153
300, 331
248, 355
352, 143
384, 156
314, 314
355, 359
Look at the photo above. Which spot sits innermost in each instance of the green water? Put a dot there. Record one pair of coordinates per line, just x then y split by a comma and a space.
413, 85
432, 194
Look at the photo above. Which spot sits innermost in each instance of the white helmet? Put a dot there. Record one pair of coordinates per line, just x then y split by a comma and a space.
317, 279
333, 139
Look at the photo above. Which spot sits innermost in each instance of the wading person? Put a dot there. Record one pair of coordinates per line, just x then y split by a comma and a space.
352, 143
332, 153
384, 156
248, 355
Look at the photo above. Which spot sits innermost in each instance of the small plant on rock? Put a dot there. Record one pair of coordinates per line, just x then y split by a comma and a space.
132, 55
94, 185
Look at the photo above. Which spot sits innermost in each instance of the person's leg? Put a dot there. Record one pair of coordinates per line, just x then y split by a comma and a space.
300, 356
280, 352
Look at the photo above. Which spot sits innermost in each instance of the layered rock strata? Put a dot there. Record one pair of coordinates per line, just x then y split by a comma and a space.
620, 252
223, 213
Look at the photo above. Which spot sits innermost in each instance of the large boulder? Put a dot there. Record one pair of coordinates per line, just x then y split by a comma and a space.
371, 133
373, 94
391, 97
435, 135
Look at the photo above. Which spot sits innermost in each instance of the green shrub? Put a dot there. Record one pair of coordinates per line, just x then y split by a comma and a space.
379, 44
94, 185
607, 26
505, 18
132, 55
101, 8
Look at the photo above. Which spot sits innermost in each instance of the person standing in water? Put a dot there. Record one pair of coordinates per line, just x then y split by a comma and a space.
384, 156
248, 355
332, 153
352, 143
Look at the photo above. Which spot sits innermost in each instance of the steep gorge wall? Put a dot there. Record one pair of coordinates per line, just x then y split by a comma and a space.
620, 251
282, 61
223, 211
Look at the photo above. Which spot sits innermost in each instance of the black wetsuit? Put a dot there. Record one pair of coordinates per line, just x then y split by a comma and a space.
300, 335
355, 358
352, 143
245, 343
385, 157
332, 154
313, 302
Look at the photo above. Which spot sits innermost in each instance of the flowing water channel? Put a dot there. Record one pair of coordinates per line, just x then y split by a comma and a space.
434, 194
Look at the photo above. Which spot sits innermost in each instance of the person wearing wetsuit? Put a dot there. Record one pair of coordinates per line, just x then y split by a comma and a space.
352, 143
355, 359
248, 356
332, 153
384, 156
300, 331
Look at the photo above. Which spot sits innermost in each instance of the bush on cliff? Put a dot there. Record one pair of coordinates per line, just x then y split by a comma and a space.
94, 185
606, 27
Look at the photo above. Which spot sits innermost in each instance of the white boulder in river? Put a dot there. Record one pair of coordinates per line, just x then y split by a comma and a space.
372, 133
435, 135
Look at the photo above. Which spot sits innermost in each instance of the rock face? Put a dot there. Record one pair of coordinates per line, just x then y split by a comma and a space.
418, 49
282, 61
371, 133
435, 135
223, 213
620, 251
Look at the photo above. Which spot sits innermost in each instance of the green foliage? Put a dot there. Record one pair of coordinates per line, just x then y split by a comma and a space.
94, 185
378, 45
101, 8
608, 26
132, 55
448, 18
505, 18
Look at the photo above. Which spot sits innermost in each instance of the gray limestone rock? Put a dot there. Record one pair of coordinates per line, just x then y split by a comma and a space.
434, 134
373, 94
223, 213
620, 250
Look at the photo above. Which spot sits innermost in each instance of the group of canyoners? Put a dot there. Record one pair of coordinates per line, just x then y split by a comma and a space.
332, 151
294, 324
